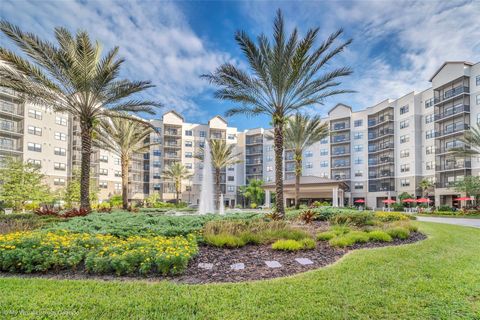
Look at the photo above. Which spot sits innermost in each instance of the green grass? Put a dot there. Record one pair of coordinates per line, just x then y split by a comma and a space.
465, 216
433, 279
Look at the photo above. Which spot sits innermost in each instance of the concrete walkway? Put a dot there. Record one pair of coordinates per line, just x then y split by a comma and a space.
457, 221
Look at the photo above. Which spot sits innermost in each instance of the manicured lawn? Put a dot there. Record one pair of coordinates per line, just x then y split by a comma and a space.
471, 216
434, 279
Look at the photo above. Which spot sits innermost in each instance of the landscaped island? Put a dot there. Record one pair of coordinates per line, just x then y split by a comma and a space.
192, 248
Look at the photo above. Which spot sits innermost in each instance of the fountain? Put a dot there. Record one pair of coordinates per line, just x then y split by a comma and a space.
221, 208
206, 194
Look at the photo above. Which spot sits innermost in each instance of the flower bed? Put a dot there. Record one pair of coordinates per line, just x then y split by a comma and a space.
41, 251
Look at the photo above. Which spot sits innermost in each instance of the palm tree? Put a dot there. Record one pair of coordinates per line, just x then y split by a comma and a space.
286, 77
124, 138
425, 185
254, 191
223, 155
71, 77
301, 132
177, 172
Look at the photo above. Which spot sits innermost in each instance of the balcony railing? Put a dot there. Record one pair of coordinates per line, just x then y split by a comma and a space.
254, 141
13, 109
380, 147
11, 127
380, 161
341, 164
254, 151
452, 111
339, 126
452, 93
172, 133
380, 188
458, 127
447, 148
341, 177
380, 134
454, 166
340, 139
380, 120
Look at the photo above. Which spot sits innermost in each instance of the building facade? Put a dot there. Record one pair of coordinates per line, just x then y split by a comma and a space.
378, 152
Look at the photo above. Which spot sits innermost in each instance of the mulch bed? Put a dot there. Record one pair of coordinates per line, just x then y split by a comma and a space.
253, 257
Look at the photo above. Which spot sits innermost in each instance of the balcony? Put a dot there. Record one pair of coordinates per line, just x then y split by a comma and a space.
380, 134
380, 120
451, 112
344, 164
381, 161
454, 165
381, 175
172, 145
340, 126
453, 129
11, 109
339, 139
9, 92
254, 163
11, 128
374, 188
452, 93
448, 147
172, 133
341, 177
380, 147
249, 152
172, 155
253, 141
342, 153
10, 147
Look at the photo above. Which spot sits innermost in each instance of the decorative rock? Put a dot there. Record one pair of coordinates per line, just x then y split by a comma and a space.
304, 261
237, 266
273, 264
206, 266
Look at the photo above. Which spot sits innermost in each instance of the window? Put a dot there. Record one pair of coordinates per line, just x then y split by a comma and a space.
188, 155
60, 151
118, 173
231, 137
35, 114
156, 186
118, 186
157, 153
156, 175
404, 124
269, 158
188, 165
404, 109
230, 178
103, 172
358, 161
324, 141
103, 185
35, 162
478, 98
269, 168
404, 138
359, 173
269, 179
358, 148
358, 186
202, 134
429, 134
405, 182
60, 121
188, 143
60, 136
116, 161
59, 166
231, 168
323, 152
269, 148
158, 130
103, 158
59, 182
324, 164
358, 123
324, 175
429, 165
429, 103
429, 150
34, 147
156, 164
188, 133
309, 165
35, 130
358, 135
477, 80
429, 118
231, 188
308, 153
404, 168
405, 153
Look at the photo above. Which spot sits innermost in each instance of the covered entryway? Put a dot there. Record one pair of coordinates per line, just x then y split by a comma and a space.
312, 188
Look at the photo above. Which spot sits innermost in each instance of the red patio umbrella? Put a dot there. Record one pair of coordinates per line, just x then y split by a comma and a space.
424, 200
388, 201
409, 200
463, 199
359, 201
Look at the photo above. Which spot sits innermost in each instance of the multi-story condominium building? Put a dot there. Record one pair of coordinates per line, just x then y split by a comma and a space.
376, 153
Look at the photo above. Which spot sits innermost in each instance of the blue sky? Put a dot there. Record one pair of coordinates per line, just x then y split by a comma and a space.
397, 45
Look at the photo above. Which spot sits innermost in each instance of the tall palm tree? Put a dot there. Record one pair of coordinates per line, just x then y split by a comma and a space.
223, 155
285, 77
301, 132
177, 172
425, 185
72, 77
123, 137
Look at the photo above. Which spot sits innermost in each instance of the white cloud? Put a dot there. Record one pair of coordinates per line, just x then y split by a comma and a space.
154, 37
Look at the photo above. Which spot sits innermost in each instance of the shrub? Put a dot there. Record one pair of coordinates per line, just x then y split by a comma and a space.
39, 251
398, 232
379, 235
307, 216
405, 224
224, 240
339, 230
104, 208
81, 212
46, 211
390, 216
341, 242
349, 239
445, 208
318, 204
293, 245
358, 219
275, 216
326, 235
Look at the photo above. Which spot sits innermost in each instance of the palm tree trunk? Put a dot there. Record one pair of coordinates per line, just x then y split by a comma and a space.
124, 161
278, 143
86, 136
298, 173
217, 187
177, 190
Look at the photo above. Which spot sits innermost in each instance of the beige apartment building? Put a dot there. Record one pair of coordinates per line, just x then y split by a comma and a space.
376, 153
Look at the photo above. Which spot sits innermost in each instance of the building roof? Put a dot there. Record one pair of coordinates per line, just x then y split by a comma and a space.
219, 117
176, 113
449, 62
339, 105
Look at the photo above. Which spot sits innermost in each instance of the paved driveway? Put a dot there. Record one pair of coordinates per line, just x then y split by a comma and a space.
458, 221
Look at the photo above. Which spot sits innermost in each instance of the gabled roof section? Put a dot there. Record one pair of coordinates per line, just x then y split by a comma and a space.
218, 117
450, 62
340, 105
175, 113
